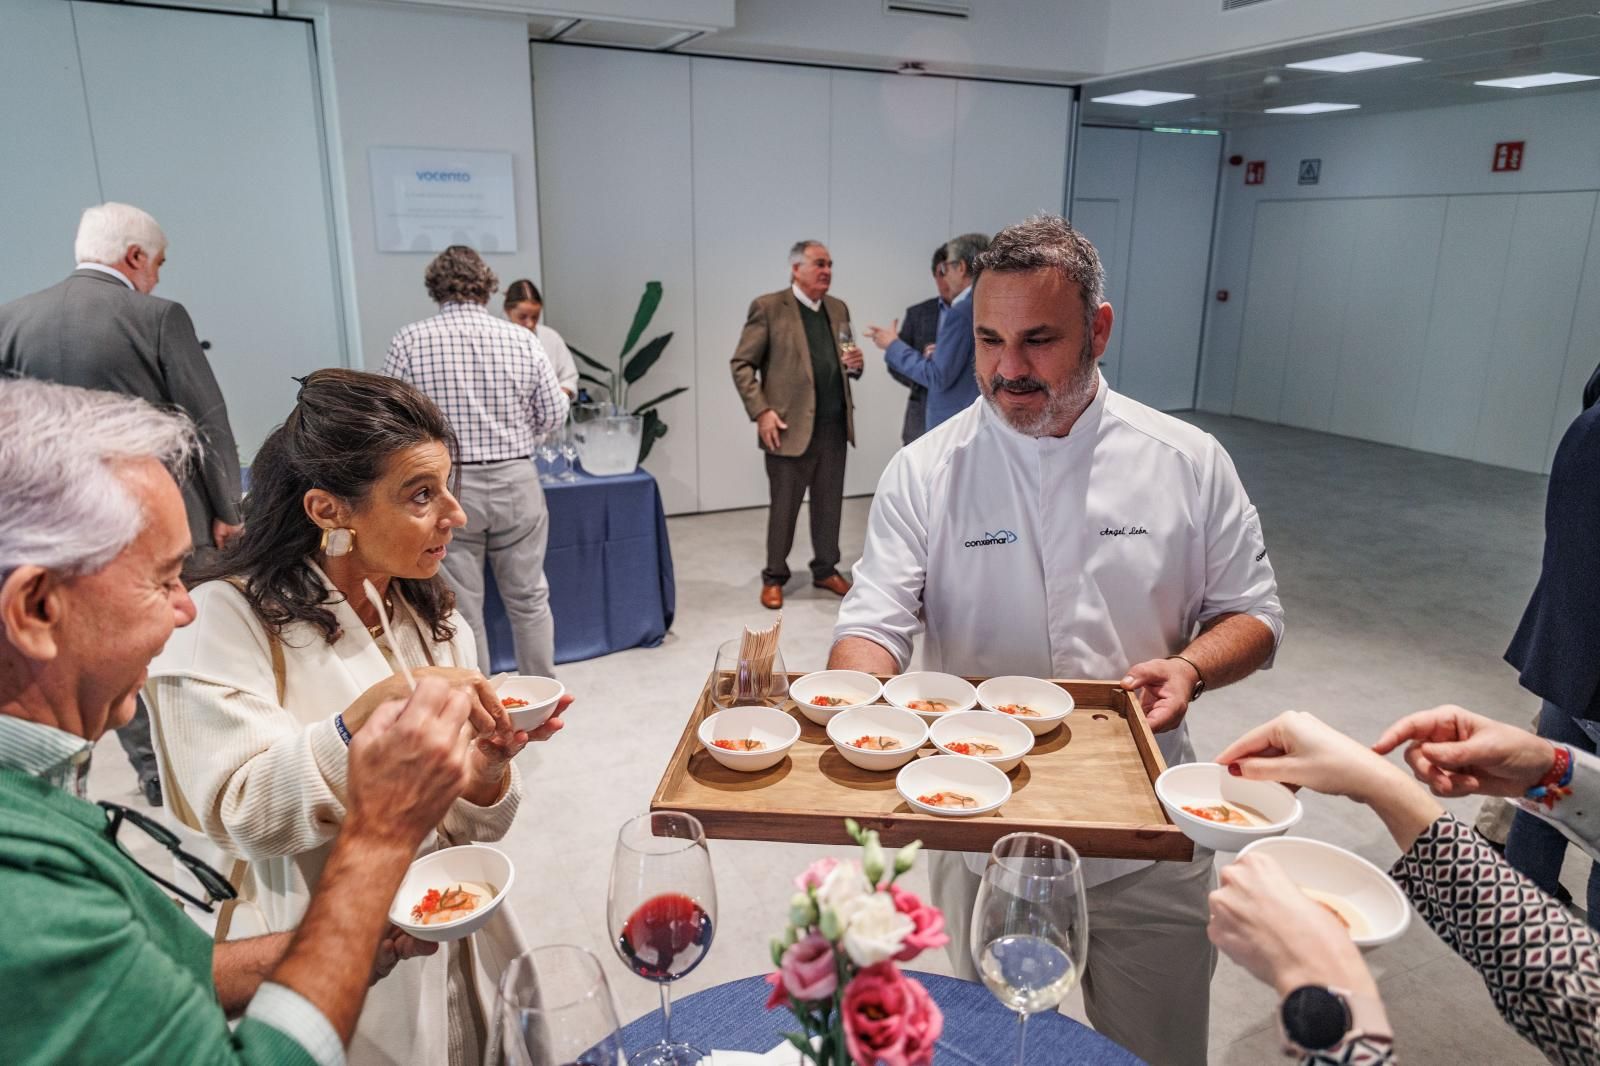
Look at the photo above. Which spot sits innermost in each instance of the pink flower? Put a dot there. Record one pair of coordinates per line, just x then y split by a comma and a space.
888, 1019
927, 924
815, 874
806, 971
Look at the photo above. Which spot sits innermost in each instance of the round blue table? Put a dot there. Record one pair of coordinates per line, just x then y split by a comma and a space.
977, 1029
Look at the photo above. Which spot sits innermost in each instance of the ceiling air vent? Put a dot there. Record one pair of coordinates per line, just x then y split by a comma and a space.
949, 9
1234, 5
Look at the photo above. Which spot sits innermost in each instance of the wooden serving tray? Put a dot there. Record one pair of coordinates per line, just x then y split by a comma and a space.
1091, 782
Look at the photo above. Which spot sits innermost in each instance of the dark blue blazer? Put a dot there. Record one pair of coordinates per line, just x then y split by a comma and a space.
1557, 647
948, 373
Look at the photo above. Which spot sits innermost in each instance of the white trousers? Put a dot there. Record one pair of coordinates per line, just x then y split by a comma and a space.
1148, 980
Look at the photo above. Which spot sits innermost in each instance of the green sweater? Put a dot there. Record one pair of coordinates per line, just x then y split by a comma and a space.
826, 369
96, 964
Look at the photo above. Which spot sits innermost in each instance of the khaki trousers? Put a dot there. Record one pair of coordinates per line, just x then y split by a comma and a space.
1148, 980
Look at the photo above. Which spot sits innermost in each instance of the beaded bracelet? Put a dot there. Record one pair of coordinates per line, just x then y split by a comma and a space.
344, 734
1553, 786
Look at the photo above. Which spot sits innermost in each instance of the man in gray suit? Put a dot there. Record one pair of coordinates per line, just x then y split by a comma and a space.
101, 329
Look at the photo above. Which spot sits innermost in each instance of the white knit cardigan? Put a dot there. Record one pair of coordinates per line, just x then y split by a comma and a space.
267, 782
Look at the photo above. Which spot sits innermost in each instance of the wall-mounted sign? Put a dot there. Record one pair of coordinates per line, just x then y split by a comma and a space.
1508, 156
1310, 171
426, 199
1255, 172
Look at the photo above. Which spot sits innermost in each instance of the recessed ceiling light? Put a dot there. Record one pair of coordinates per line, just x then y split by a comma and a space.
1535, 81
1142, 98
1354, 61
1310, 109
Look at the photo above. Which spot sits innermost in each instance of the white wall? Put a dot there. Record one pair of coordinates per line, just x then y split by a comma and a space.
1146, 201
706, 188
1414, 297
1144, 34
425, 79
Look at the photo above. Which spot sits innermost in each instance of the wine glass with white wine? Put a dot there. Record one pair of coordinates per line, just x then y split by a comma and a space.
1030, 925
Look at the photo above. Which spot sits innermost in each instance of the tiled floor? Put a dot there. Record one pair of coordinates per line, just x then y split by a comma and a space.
1402, 575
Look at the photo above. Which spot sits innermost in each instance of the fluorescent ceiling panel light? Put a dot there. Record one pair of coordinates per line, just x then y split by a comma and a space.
1536, 81
1142, 98
1351, 62
1310, 109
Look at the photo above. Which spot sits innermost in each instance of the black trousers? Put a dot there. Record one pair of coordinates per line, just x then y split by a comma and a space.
819, 468
135, 740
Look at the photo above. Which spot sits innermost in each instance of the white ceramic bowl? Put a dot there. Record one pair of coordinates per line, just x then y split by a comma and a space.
1010, 734
929, 685
878, 720
1205, 784
446, 867
974, 777
1052, 702
859, 688
1346, 876
776, 728
542, 694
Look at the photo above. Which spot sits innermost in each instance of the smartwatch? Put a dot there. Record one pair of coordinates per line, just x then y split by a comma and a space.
1315, 1018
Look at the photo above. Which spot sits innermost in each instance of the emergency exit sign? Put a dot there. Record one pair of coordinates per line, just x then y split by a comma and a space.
1508, 156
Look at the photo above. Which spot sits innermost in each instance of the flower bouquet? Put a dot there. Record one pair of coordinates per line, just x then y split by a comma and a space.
849, 924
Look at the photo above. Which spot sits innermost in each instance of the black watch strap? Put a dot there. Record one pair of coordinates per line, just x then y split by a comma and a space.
1315, 1018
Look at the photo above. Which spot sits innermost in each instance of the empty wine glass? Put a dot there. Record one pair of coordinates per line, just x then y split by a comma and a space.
1030, 925
569, 451
545, 453
661, 910
554, 1008
737, 682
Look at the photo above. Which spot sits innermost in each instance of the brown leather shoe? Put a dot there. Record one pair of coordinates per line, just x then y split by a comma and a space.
835, 584
772, 597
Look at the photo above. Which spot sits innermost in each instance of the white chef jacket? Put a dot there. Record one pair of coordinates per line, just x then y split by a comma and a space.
1073, 556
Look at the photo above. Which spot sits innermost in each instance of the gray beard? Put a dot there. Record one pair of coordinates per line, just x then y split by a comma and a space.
1061, 406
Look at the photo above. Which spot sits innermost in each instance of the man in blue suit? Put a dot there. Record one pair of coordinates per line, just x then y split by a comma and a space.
947, 373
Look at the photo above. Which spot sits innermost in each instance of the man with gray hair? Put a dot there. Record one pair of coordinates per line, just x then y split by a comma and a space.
102, 329
492, 380
1131, 551
947, 372
100, 964
792, 367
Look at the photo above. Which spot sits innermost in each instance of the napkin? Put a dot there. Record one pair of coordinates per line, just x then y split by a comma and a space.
785, 1054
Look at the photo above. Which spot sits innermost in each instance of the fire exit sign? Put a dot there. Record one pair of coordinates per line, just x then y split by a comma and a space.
1508, 156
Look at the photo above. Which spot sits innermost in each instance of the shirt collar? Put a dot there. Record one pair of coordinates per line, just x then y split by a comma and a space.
806, 301
962, 295
112, 271
59, 757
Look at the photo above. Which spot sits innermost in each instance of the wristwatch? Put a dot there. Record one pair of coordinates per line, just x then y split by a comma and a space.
1199, 678
1316, 1018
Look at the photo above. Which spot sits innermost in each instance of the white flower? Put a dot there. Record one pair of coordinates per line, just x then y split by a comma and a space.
843, 883
874, 930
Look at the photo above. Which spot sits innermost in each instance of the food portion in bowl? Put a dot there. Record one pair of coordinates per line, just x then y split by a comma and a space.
830, 701
1225, 813
877, 737
747, 744
1021, 710
956, 786
1354, 922
511, 703
822, 694
949, 798
930, 693
1229, 814
973, 746
749, 739
457, 900
995, 739
877, 743
1038, 704
1365, 899
929, 706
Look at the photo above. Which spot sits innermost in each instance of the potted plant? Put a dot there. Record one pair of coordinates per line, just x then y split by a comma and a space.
631, 367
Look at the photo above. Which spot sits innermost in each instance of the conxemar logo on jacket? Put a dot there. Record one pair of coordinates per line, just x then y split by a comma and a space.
999, 536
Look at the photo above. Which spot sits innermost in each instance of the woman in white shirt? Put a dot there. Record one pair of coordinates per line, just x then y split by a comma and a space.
525, 307
253, 706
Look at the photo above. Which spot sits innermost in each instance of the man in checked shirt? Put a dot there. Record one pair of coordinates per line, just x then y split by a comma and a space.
494, 383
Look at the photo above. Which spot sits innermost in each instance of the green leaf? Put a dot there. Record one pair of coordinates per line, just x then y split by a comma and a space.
665, 396
802, 1045
650, 432
597, 364
645, 358
591, 379
641, 317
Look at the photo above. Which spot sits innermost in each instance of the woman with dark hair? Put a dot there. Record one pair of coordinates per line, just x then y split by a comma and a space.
255, 703
525, 307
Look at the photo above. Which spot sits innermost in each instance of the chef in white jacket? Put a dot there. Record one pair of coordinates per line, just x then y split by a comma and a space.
1057, 529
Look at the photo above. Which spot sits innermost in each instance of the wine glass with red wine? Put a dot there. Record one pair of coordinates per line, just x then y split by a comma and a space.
660, 910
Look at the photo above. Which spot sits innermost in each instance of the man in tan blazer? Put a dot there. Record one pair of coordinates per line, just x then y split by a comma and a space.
793, 369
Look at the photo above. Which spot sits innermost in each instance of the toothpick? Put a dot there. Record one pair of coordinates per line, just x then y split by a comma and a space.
383, 617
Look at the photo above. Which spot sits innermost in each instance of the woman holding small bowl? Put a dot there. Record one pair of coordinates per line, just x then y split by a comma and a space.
1457, 882
254, 704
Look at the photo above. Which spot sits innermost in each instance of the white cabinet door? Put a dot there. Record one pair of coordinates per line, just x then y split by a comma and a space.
213, 125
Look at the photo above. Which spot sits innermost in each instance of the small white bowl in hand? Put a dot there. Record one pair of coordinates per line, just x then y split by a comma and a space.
1206, 784
776, 729
857, 688
931, 685
1347, 877
878, 720
953, 773
1010, 735
542, 694
441, 869
1052, 702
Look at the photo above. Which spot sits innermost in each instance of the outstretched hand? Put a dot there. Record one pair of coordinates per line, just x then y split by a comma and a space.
1458, 753
1164, 687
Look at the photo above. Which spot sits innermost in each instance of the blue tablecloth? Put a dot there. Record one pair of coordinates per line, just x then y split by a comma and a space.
609, 566
977, 1029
